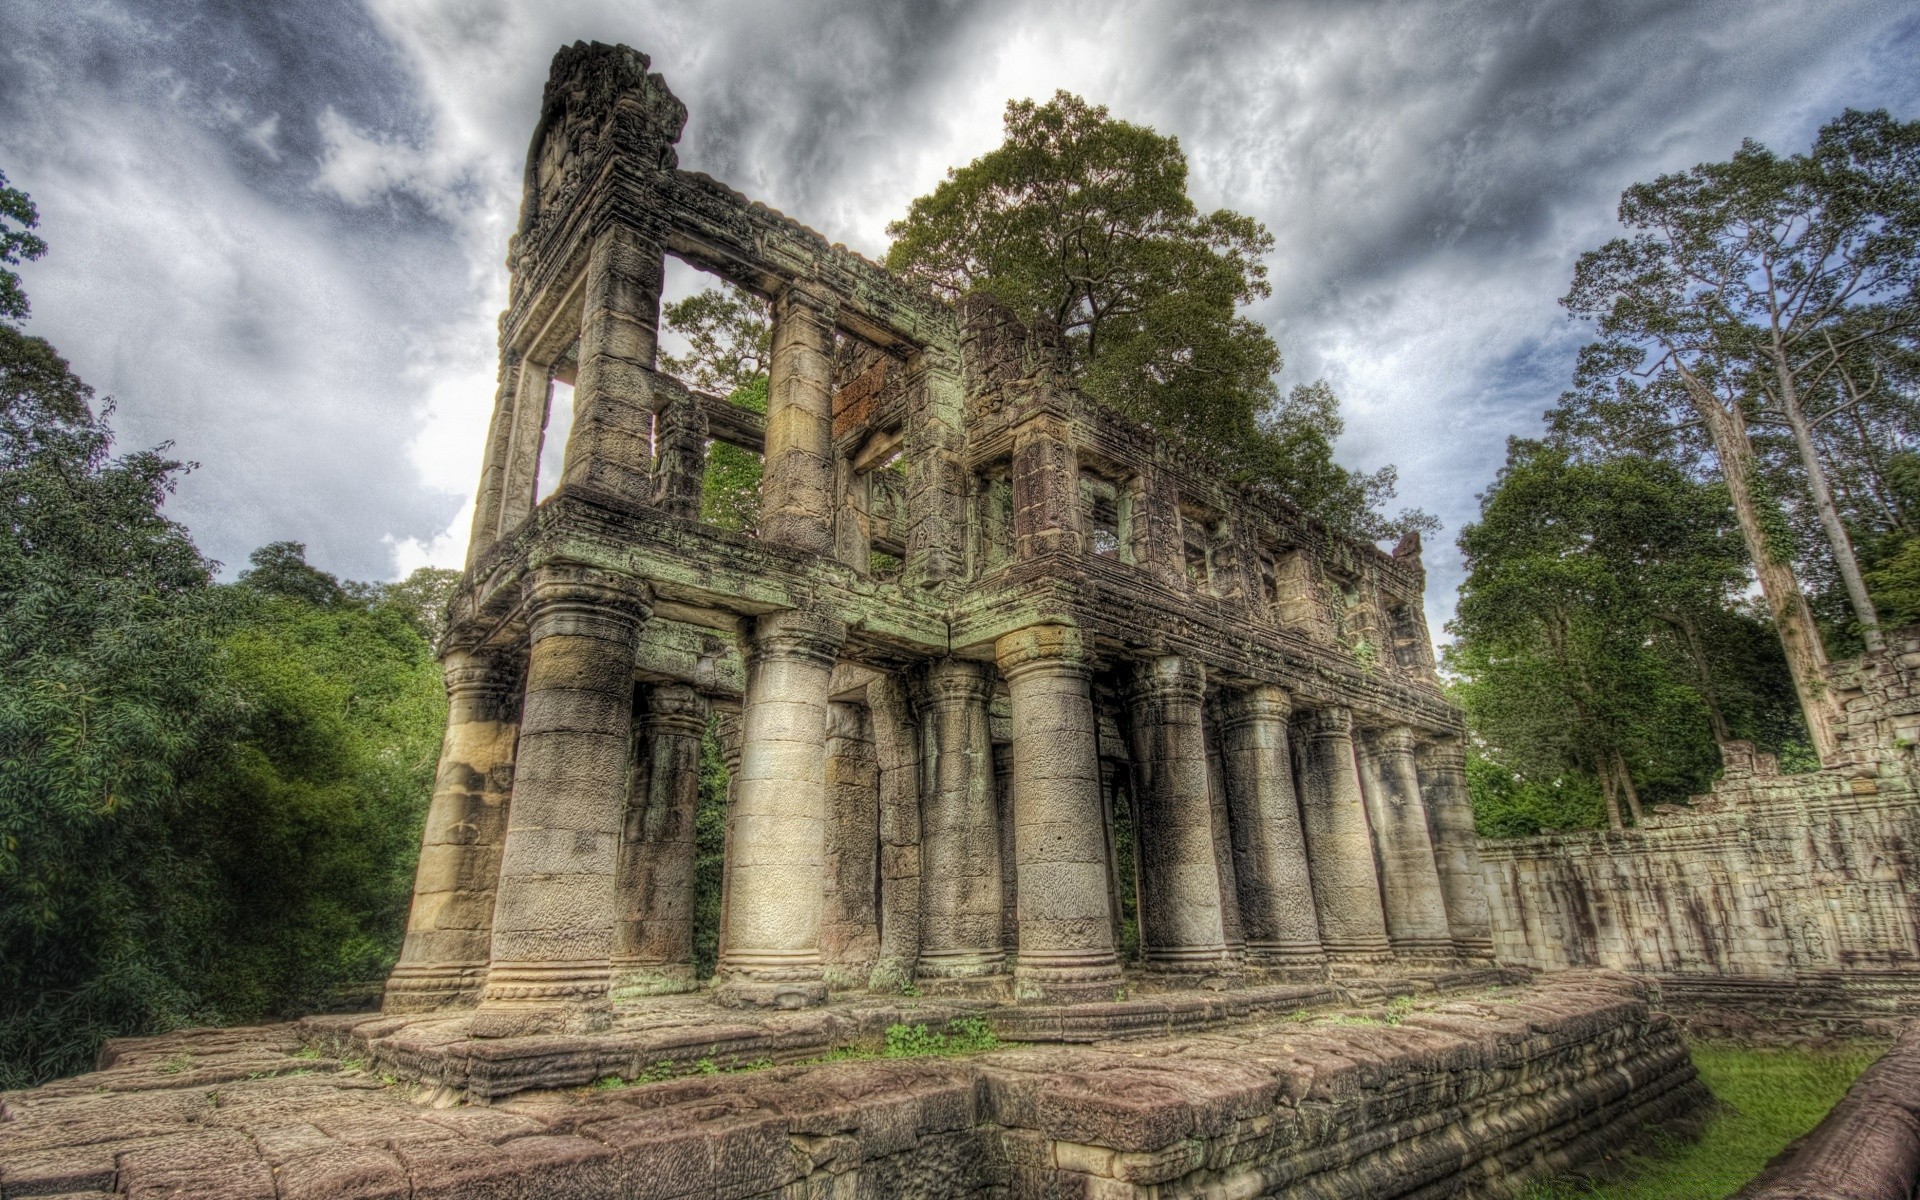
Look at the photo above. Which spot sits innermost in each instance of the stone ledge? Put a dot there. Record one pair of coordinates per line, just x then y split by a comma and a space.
1469, 1091
680, 1032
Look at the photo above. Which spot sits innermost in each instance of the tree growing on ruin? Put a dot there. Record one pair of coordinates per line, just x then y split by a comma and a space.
1082, 222
1762, 291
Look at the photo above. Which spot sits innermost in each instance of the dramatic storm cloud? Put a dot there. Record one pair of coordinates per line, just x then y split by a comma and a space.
277, 228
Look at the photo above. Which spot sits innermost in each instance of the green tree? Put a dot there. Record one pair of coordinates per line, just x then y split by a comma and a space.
1591, 625
729, 340
1081, 222
1752, 291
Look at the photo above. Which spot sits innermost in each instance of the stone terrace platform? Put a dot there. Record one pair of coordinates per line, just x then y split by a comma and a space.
1469, 1091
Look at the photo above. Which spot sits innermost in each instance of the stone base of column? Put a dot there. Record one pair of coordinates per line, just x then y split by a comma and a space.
547, 983
652, 979
1424, 950
960, 964
438, 987
1305, 958
891, 976
771, 979
1359, 958
1191, 960
1066, 978
977, 987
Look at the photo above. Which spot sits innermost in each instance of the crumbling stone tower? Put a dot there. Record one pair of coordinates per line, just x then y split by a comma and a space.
979, 615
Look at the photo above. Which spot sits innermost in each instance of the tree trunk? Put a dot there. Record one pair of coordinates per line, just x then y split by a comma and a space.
1709, 695
1610, 791
1843, 557
1626, 787
1792, 618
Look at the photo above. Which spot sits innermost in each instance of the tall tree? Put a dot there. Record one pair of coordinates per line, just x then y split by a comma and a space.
1742, 296
1082, 222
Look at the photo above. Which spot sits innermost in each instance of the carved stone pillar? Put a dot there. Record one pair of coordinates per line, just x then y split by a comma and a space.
732, 738
1230, 922
849, 923
1346, 890
936, 479
610, 448
1046, 489
680, 457
554, 915
493, 467
796, 491
896, 741
1066, 930
1456, 845
1416, 908
653, 942
520, 472
960, 835
775, 895
1181, 927
443, 962
1270, 851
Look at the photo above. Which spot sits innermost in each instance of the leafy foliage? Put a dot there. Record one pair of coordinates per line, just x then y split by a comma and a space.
1082, 222
210, 796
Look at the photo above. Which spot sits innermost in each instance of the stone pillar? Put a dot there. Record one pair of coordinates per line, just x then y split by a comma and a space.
520, 473
1180, 921
936, 478
849, 922
610, 449
1416, 908
896, 742
554, 915
1269, 849
776, 888
1066, 931
653, 943
1230, 922
1046, 489
443, 962
1456, 844
493, 467
1346, 890
728, 732
960, 834
680, 457
796, 491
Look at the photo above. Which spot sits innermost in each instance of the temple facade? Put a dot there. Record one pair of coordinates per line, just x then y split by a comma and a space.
982, 625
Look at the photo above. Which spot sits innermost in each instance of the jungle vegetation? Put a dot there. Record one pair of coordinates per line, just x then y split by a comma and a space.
1725, 498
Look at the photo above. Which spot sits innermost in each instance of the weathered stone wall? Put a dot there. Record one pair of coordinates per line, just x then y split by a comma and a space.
1797, 893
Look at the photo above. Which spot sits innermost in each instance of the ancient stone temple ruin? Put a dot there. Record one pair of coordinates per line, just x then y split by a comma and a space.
986, 639
979, 613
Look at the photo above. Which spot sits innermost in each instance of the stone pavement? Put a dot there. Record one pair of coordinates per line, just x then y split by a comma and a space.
1416, 1096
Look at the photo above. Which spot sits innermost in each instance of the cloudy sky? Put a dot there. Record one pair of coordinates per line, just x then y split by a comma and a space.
277, 229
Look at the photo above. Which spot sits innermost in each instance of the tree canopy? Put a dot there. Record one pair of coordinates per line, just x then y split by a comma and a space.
210, 796
1083, 222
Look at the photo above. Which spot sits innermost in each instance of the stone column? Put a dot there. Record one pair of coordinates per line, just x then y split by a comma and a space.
1416, 908
775, 896
1270, 851
727, 731
896, 742
520, 473
493, 467
849, 923
680, 457
1181, 928
960, 831
1230, 923
936, 477
610, 448
1346, 890
1066, 931
1046, 489
796, 491
554, 915
443, 962
1456, 844
653, 942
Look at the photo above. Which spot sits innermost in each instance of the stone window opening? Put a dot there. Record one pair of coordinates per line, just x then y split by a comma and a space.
994, 516
554, 432
1201, 540
880, 474
1106, 509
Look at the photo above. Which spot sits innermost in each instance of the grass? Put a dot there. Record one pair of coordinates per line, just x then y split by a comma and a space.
1768, 1096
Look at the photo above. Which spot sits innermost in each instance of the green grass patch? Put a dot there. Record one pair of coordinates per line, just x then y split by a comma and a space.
1768, 1097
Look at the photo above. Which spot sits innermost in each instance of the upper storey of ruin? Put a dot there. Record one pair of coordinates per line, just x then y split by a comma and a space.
932, 477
